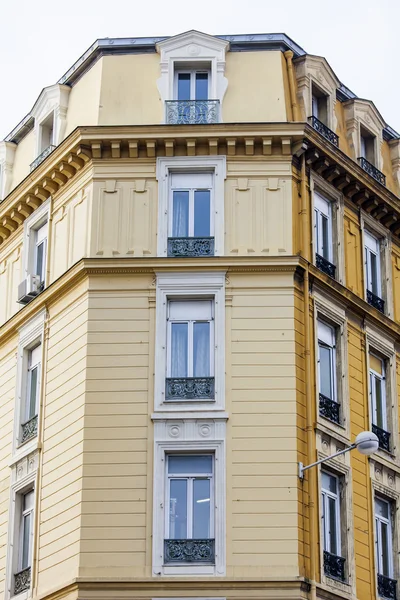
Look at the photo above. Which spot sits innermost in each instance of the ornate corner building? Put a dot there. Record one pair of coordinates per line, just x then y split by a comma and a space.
199, 288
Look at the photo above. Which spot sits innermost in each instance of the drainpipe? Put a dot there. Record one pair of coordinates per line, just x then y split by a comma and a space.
312, 485
292, 85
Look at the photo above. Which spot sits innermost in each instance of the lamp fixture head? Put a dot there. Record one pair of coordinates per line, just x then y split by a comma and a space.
367, 443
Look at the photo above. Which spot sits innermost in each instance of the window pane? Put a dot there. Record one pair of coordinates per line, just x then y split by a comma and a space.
201, 509
189, 465
325, 371
374, 274
315, 107
325, 237
201, 349
202, 213
201, 86
26, 535
40, 260
178, 509
380, 412
179, 350
385, 550
184, 86
180, 214
332, 526
382, 509
329, 483
33, 376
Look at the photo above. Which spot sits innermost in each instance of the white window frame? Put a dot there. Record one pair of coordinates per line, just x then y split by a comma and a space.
325, 495
321, 189
186, 285
192, 191
52, 100
322, 209
329, 341
192, 72
187, 165
32, 224
24, 478
190, 323
30, 336
378, 536
206, 435
376, 230
375, 376
369, 242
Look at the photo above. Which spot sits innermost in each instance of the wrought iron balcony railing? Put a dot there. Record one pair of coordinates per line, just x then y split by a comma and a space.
387, 587
334, 566
199, 551
383, 437
189, 388
191, 246
327, 133
329, 409
29, 429
42, 156
325, 266
22, 581
372, 170
375, 301
191, 112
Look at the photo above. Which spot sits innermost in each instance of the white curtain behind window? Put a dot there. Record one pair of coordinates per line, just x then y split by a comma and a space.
201, 349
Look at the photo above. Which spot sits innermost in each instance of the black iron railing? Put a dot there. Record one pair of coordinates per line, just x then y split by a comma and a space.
329, 409
29, 429
375, 301
383, 437
327, 133
334, 566
42, 156
22, 581
387, 587
189, 388
191, 246
325, 266
191, 112
198, 551
372, 170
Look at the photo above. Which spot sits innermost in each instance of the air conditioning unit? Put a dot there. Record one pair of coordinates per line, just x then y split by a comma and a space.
29, 288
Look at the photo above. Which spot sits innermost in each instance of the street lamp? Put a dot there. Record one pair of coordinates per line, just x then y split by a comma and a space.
366, 443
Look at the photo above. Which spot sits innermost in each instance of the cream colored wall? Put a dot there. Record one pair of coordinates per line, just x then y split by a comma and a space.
129, 94
258, 208
24, 155
61, 475
255, 87
84, 99
8, 373
117, 471
124, 215
10, 276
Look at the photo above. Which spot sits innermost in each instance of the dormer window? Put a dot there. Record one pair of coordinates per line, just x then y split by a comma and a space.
192, 84
367, 146
46, 143
319, 105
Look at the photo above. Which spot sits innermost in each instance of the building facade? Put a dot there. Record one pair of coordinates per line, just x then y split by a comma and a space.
199, 289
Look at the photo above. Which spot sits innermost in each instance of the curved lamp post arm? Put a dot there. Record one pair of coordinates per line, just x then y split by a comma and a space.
302, 468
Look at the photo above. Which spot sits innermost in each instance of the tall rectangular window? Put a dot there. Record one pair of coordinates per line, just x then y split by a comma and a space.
367, 146
23, 560
331, 525
319, 105
31, 396
327, 380
40, 251
190, 497
192, 85
323, 227
383, 541
372, 264
377, 384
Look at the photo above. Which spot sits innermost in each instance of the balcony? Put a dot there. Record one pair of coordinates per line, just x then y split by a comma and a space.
22, 581
371, 170
29, 429
42, 156
323, 130
191, 112
189, 388
325, 266
190, 247
375, 301
329, 409
334, 566
387, 587
383, 437
189, 551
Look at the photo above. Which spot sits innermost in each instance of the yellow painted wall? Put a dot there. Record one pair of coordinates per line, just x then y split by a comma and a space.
353, 253
387, 169
24, 155
396, 281
256, 89
341, 128
84, 99
10, 276
129, 94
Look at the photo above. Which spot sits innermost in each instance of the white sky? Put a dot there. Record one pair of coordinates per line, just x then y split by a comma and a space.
41, 39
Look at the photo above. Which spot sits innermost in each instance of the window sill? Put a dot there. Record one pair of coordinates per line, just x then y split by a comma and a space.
24, 450
328, 585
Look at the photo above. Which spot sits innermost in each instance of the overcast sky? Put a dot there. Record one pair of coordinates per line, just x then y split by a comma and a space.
41, 39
